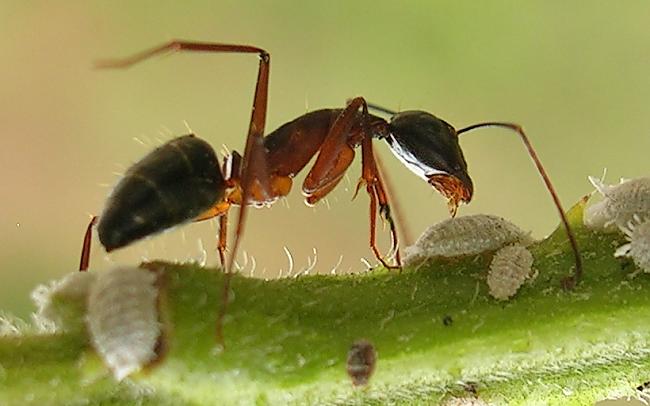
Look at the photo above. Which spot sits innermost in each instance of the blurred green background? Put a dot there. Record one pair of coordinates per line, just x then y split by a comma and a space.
574, 74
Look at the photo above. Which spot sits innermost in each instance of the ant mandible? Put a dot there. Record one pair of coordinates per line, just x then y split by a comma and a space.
182, 181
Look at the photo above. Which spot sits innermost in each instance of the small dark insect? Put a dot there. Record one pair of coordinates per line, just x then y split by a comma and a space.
361, 363
447, 320
471, 388
643, 386
182, 180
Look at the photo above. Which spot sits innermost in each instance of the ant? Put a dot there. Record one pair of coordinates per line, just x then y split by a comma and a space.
182, 180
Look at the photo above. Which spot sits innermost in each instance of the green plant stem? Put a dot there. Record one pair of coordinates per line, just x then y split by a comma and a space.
287, 339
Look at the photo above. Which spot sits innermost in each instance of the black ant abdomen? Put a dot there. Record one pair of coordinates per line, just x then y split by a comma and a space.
173, 184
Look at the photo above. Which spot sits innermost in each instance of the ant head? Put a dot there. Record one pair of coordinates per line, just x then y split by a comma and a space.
429, 147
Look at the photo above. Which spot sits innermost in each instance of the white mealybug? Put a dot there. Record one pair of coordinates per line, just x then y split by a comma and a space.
466, 235
12, 326
122, 318
59, 303
510, 268
637, 233
620, 203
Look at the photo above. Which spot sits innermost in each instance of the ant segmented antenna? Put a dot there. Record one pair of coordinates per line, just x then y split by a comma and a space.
380, 109
549, 186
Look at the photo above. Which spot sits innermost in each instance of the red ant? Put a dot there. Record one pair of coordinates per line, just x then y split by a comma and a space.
182, 181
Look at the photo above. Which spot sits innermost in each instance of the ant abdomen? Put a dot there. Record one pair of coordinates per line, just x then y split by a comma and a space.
173, 184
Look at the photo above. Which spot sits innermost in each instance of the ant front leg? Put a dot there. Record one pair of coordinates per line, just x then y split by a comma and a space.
378, 197
376, 191
336, 155
333, 160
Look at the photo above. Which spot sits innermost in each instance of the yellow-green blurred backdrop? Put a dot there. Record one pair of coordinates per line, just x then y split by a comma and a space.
575, 74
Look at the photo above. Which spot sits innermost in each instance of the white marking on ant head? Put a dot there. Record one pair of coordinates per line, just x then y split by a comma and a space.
466, 235
420, 169
637, 233
510, 268
122, 318
619, 205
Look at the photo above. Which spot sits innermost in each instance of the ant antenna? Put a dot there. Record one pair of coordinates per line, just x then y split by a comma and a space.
571, 281
381, 109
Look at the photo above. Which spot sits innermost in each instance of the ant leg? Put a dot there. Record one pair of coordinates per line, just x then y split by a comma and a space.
253, 169
335, 157
219, 210
375, 188
85, 250
402, 224
223, 238
331, 179
178, 46
571, 281
255, 181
